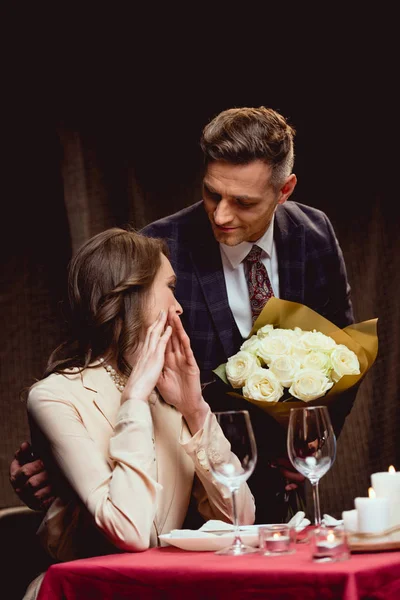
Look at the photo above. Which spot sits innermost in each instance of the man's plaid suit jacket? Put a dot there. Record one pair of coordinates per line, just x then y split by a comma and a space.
311, 271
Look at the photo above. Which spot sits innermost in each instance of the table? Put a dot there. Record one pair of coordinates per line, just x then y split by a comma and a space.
170, 573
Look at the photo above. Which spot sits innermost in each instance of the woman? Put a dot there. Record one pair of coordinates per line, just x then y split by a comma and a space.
119, 417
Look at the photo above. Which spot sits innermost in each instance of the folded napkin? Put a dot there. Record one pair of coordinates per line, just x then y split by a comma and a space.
209, 529
186, 533
331, 521
214, 526
298, 521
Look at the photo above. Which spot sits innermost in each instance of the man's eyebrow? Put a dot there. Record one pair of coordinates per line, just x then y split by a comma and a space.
237, 197
210, 188
245, 197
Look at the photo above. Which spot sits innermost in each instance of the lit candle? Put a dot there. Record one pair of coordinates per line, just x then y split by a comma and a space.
275, 539
372, 512
277, 543
350, 520
330, 545
387, 485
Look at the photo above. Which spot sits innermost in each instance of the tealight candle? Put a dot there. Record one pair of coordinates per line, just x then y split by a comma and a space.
275, 539
330, 545
373, 513
387, 485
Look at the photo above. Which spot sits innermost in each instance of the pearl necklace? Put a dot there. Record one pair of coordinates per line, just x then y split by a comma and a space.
119, 380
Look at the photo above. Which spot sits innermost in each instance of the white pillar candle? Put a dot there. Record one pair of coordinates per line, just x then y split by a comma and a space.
387, 485
350, 520
373, 513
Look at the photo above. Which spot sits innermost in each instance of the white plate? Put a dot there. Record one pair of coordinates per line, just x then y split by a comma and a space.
210, 543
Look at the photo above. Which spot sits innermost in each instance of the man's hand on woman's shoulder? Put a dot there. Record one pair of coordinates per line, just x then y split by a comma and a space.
30, 480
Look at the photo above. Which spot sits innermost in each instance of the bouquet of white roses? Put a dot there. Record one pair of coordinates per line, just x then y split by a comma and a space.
295, 355
308, 363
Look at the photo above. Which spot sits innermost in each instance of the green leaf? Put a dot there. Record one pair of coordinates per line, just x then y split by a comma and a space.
220, 371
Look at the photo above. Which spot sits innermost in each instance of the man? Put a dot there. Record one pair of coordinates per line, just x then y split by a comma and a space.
248, 159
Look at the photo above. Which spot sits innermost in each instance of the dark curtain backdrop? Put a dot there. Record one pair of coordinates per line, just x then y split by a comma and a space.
101, 138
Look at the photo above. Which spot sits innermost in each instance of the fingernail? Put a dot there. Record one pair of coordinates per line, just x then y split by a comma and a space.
162, 312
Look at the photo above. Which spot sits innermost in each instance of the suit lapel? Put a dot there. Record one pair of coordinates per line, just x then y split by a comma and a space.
290, 244
207, 264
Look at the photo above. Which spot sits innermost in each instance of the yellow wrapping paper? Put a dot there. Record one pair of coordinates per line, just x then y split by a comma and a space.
361, 337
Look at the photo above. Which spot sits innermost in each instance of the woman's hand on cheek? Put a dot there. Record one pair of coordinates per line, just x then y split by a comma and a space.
149, 360
179, 382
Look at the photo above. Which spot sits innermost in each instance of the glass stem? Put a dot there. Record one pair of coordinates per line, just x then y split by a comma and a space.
236, 540
317, 510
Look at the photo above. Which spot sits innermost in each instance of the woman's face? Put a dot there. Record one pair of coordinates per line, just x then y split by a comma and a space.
162, 295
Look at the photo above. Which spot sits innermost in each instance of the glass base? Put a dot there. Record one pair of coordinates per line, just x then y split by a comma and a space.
282, 553
237, 550
326, 559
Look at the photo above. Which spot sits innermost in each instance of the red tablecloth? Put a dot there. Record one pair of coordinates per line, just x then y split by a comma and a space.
170, 573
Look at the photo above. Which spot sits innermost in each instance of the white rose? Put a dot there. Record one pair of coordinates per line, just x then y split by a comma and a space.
298, 350
309, 385
239, 367
315, 340
251, 345
285, 369
272, 347
264, 331
320, 361
344, 362
291, 334
263, 385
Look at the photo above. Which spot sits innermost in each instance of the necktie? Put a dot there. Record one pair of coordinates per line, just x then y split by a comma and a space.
260, 289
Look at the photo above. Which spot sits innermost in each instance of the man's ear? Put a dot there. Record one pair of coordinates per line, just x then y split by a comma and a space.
287, 188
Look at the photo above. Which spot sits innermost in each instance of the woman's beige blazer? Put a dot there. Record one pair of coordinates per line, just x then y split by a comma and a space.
131, 469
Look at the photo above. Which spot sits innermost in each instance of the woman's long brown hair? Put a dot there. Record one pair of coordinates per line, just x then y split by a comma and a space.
108, 288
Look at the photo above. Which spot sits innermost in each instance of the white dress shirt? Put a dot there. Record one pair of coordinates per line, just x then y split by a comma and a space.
235, 278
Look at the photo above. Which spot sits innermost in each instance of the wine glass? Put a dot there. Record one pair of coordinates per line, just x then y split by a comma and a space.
235, 467
311, 445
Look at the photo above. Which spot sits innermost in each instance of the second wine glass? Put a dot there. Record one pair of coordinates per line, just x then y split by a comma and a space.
311, 445
236, 467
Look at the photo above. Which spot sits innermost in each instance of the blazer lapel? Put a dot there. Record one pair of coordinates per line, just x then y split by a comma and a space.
207, 265
290, 244
108, 400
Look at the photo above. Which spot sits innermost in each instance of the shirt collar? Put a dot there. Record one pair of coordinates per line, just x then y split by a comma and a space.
236, 254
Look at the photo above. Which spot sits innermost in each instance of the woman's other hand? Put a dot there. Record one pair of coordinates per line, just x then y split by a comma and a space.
179, 381
148, 360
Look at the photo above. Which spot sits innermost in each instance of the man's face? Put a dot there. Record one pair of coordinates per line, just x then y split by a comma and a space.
240, 201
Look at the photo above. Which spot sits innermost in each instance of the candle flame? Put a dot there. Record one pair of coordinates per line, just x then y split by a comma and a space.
276, 535
371, 493
391, 469
330, 537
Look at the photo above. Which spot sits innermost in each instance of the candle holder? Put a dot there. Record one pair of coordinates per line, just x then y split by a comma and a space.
276, 540
330, 544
